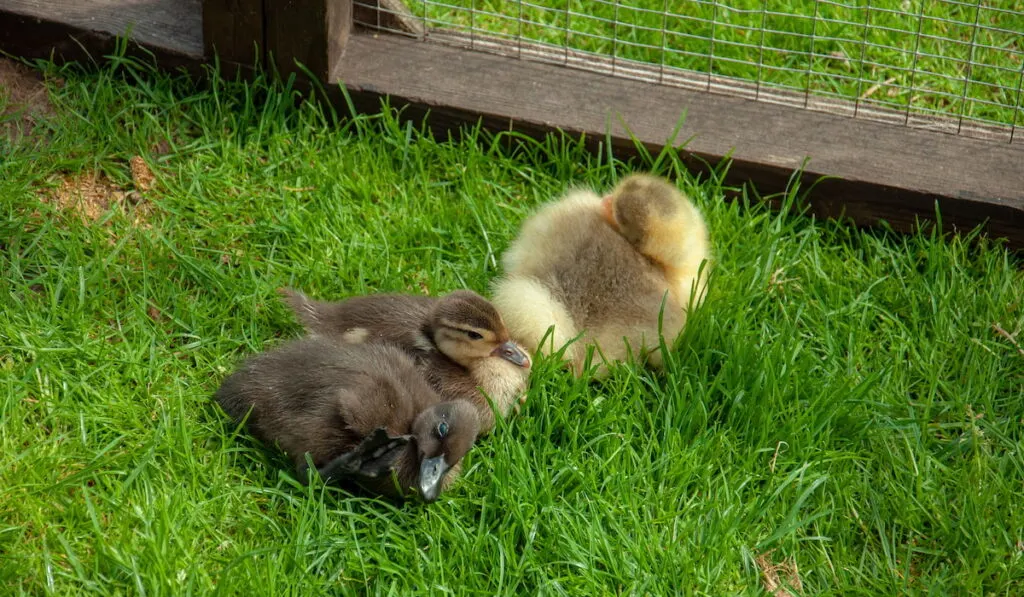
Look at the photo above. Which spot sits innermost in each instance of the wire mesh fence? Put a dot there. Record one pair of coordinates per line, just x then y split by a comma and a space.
950, 65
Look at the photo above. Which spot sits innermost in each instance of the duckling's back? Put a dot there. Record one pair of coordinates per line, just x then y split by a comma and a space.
395, 318
323, 397
569, 269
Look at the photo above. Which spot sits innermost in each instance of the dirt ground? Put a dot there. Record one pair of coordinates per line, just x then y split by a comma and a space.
24, 106
23, 99
91, 195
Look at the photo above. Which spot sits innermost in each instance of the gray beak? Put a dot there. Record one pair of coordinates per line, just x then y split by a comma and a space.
432, 472
512, 353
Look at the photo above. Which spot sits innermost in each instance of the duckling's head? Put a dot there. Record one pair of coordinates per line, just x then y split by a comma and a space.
638, 203
656, 218
466, 327
443, 434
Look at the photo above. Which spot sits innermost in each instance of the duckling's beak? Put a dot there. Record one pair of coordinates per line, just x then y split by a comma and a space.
607, 212
512, 353
432, 472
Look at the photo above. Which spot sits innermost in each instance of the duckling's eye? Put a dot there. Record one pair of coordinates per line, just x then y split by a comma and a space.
473, 335
442, 429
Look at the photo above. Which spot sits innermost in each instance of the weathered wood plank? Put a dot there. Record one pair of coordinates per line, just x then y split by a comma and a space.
867, 109
233, 30
310, 32
32, 37
883, 172
173, 25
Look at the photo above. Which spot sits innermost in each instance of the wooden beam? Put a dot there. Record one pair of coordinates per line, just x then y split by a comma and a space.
233, 31
882, 171
308, 32
168, 26
868, 109
67, 38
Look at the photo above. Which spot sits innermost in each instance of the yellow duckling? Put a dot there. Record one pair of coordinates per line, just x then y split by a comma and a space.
601, 269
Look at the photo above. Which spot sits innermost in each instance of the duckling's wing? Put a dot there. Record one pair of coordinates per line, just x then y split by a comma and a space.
393, 318
373, 458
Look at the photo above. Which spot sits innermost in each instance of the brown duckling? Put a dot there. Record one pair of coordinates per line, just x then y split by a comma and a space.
600, 269
459, 341
362, 412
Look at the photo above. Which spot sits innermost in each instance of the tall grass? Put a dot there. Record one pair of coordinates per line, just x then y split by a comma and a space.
844, 401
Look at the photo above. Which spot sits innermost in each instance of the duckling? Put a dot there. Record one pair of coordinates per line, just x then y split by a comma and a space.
599, 270
459, 341
362, 412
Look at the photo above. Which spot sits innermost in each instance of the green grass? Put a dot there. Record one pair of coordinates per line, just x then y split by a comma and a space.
842, 400
918, 55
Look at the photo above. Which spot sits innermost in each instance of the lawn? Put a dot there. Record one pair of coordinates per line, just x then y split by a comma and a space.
950, 57
845, 412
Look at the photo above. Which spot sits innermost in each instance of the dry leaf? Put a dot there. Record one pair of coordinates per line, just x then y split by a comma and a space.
775, 583
142, 176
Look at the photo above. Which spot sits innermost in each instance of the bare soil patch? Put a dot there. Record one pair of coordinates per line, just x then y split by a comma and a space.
87, 195
24, 100
90, 196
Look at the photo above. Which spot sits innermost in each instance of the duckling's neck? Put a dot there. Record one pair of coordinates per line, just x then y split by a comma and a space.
423, 340
503, 381
685, 283
683, 266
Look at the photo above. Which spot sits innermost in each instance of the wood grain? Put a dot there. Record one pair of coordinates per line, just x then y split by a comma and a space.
881, 171
31, 37
233, 30
308, 32
174, 25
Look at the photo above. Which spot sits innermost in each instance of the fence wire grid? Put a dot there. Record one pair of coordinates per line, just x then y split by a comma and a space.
950, 65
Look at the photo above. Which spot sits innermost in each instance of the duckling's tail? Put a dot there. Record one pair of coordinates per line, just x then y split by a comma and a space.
529, 310
305, 309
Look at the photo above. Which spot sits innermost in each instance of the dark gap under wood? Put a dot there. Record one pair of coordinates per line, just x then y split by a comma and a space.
32, 38
172, 26
881, 171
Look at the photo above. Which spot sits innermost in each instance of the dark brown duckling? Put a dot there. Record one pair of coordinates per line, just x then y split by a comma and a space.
362, 412
459, 341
